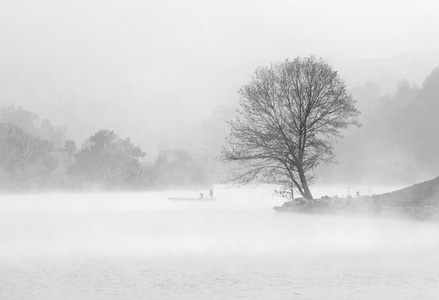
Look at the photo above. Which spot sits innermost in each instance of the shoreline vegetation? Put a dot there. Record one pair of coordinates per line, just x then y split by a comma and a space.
270, 146
417, 202
36, 156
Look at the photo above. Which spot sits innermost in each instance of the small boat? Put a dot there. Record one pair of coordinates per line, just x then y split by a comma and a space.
190, 199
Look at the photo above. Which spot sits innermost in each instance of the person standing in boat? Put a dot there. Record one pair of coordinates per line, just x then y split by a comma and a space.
211, 193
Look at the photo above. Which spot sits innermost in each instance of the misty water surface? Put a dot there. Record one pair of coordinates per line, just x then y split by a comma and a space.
143, 246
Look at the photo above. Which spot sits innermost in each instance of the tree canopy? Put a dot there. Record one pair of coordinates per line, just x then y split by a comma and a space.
30, 123
23, 156
36, 155
290, 114
108, 159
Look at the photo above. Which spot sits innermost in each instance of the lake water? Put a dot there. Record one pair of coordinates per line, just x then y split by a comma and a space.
143, 246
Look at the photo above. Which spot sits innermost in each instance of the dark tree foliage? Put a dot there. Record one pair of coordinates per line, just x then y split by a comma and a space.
399, 143
108, 160
70, 148
290, 114
30, 123
56, 135
26, 120
23, 156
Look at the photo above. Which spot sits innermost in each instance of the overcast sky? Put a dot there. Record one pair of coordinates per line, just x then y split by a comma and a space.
136, 65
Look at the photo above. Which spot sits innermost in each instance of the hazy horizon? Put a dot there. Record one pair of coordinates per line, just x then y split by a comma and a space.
137, 66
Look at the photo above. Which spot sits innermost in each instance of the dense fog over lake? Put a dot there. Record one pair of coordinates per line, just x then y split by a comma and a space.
219, 149
97, 246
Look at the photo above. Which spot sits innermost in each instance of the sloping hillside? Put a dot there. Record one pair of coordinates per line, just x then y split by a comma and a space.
421, 194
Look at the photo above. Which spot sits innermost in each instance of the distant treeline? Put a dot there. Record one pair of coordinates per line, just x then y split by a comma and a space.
399, 139
36, 155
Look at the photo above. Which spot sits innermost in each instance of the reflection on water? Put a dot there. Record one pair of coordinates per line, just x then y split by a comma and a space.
143, 246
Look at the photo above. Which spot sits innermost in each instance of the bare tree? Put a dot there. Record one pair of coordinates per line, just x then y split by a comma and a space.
289, 116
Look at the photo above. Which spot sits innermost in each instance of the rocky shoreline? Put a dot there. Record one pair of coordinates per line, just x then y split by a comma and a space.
418, 202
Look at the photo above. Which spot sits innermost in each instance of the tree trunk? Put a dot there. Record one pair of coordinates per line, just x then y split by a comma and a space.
306, 192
